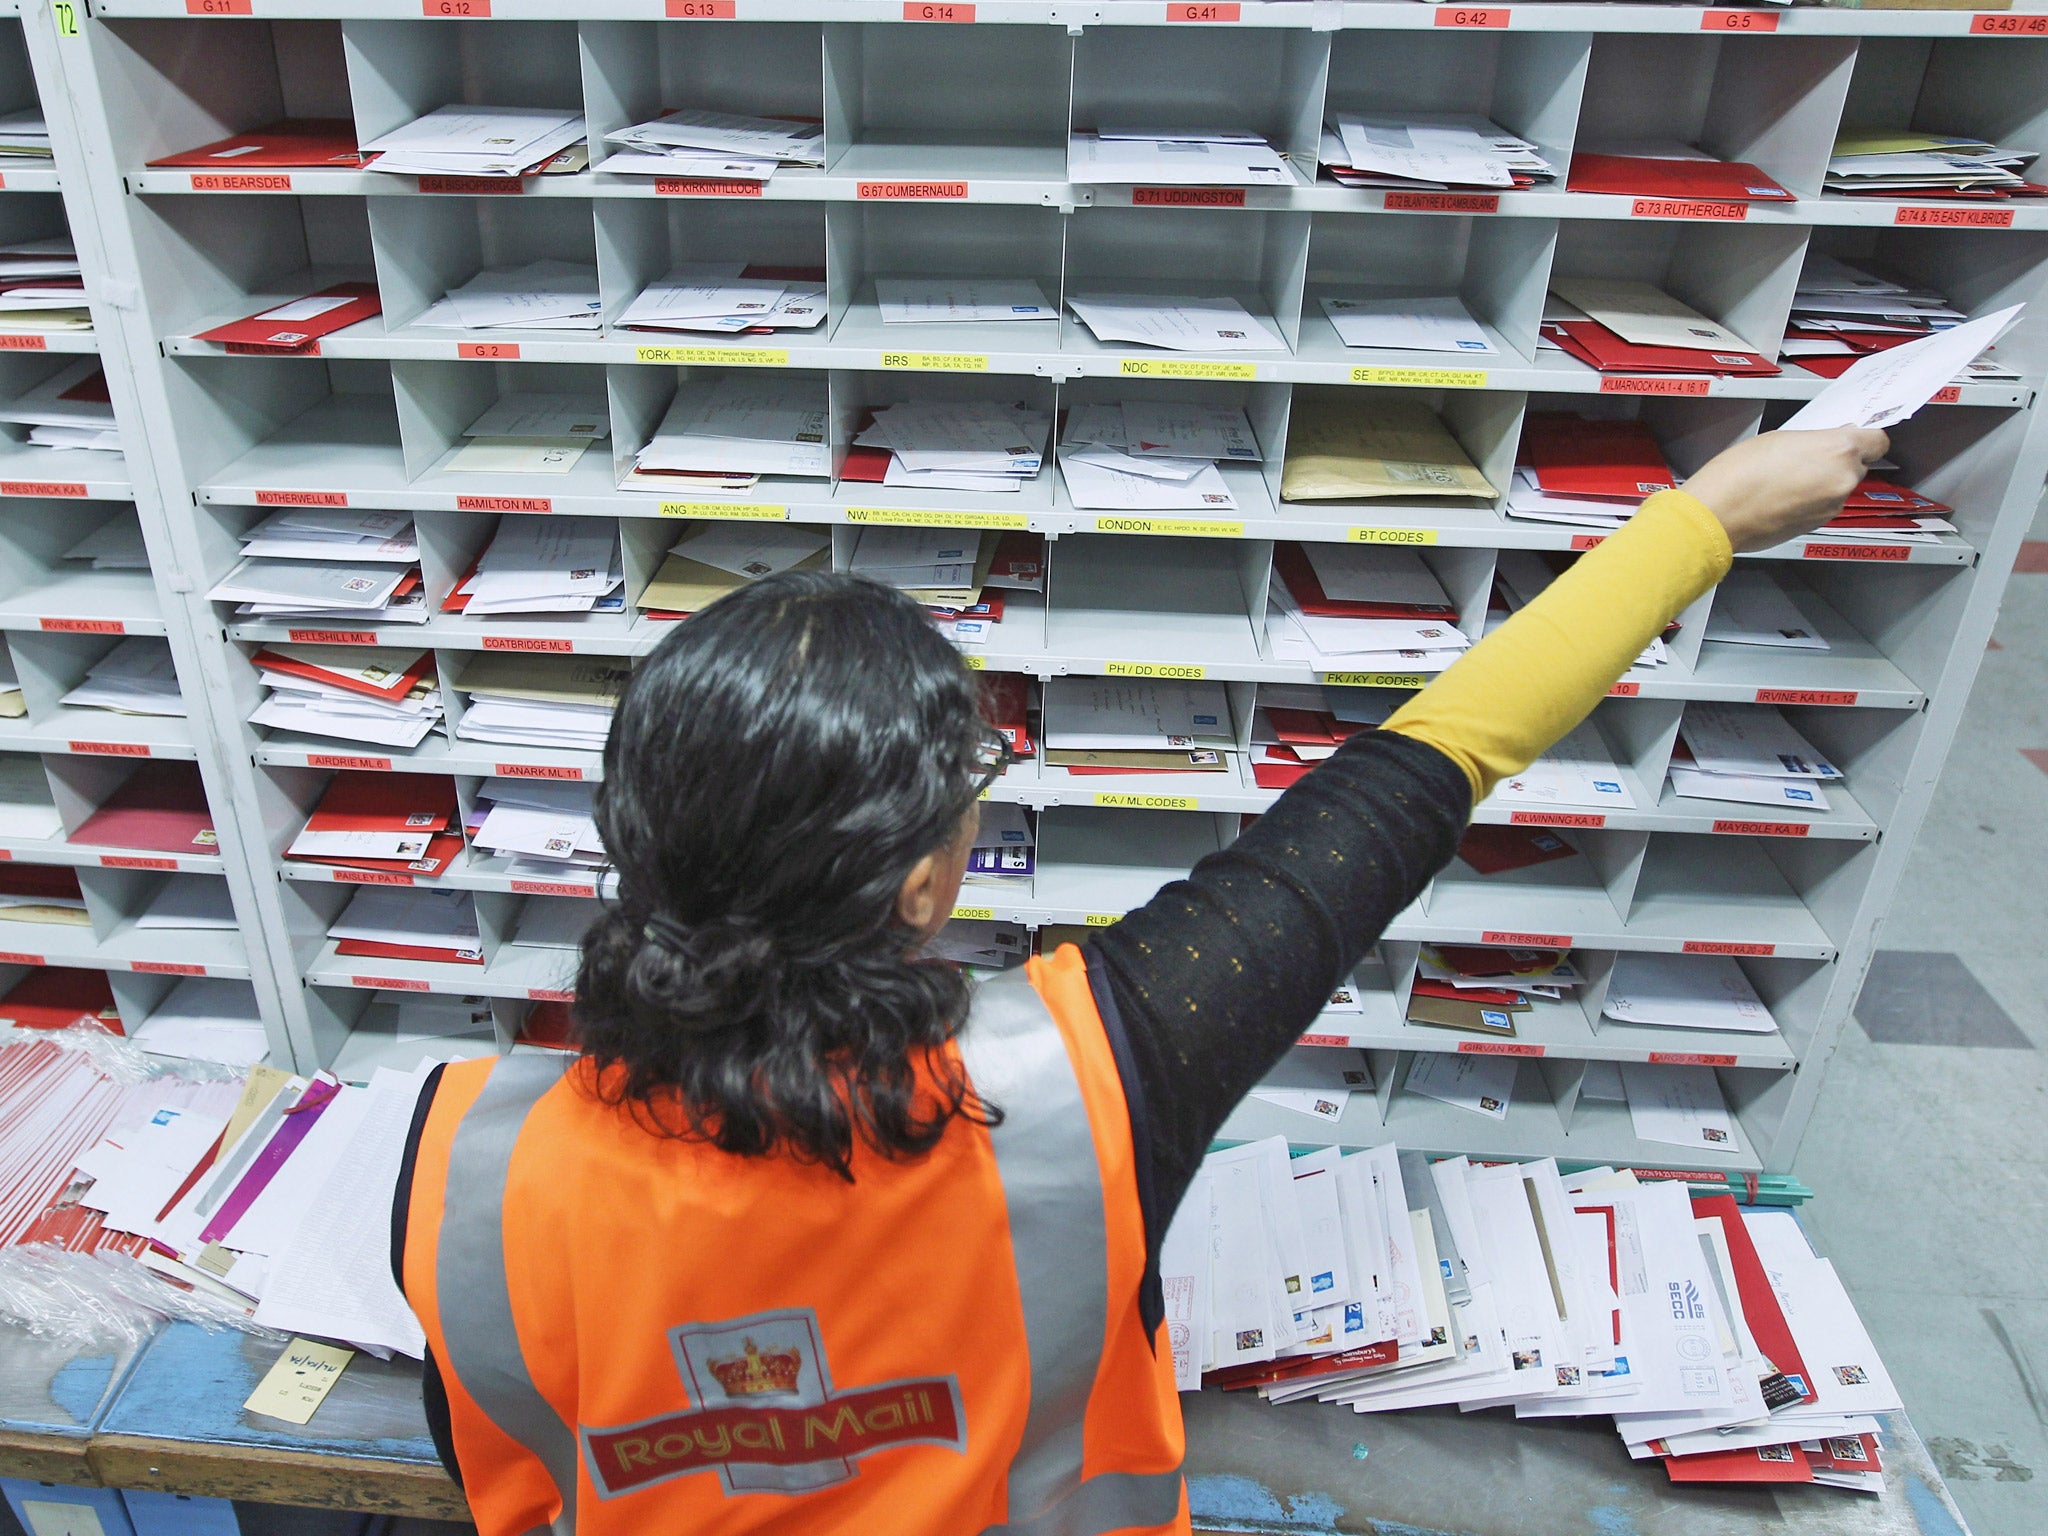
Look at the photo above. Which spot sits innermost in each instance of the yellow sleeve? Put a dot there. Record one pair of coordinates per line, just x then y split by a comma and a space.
1521, 688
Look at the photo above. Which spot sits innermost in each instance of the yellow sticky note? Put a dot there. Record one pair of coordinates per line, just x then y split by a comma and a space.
300, 1381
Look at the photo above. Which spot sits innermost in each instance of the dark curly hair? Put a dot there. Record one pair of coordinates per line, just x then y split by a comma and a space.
774, 770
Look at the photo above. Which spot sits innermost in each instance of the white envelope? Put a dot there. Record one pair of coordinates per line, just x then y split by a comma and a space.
1751, 609
1176, 324
1685, 992
1180, 429
1746, 789
956, 300
544, 415
1679, 1107
1095, 487
1751, 739
1407, 325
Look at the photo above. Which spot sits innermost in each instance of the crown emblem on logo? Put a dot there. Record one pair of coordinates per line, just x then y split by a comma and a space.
754, 1373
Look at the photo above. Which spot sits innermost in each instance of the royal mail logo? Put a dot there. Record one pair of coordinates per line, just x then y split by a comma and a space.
769, 1419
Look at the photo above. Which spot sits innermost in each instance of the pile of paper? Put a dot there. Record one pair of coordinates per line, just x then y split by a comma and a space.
42, 893
960, 300
940, 567
1685, 992
1364, 607
1618, 325
477, 141
1005, 852
1363, 445
1671, 169
1749, 753
116, 545
387, 922
730, 299
401, 823
725, 434
1433, 323
717, 558
544, 826
1752, 609
1520, 575
714, 146
70, 409
1110, 725
383, 696
1297, 725
340, 566
544, 565
27, 810
540, 701
951, 445
1430, 151
24, 135
1841, 313
1483, 990
134, 678
531, 434
1015, 563
1173, 157
545, 295
200, 902
1154, 455
1577, 770
42, 287
1878, 162
1707, 1330
206, 1018
1588, 472
1175, 323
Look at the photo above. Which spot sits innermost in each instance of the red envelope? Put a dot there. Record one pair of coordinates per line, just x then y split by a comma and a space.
39, 881
1615, 460
283, 328
1299, 574
1494, 850
1846, 1453
1277, 775
385, 802
366, 947
1005, 701
865, 464
294, 143
161, 807
1485, 997
59, 996
1760, 1307
1727, 181
1759, 1464
391, 692
1596, 346
551, 1025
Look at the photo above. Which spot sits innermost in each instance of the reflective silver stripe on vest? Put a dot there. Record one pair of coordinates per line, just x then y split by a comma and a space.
1052, 1185
469, 1269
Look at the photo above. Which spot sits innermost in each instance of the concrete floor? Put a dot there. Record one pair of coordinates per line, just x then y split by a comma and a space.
1926, 1153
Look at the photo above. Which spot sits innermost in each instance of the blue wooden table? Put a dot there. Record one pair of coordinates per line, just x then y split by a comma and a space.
52, 1398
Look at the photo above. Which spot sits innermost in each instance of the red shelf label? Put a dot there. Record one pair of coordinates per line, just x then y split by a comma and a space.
388, 984
218, 8
534, 771
1614, 386
1625, 691
333, 636
247, 181
487, 351
1763, 828
550, 995
372, 877
1465, 16
2005, 24
1948, 394
1526, 940
1956, 218
1497, 1048
1839, 696
302, 498
1187, 197
1709, 947
909, 191
1689, 1059
675, 186
1738, 21
1325, 1040
455, 7
85, 626
1856, 552
344, 760
111, 748
504, 504
41, 488
119, 861
515, 643
552, 888
1202, 13
10, 957
1585, 541
1687, 208
475, 186
167, 968
1556, 819
702, 10
1441, 202
23, 343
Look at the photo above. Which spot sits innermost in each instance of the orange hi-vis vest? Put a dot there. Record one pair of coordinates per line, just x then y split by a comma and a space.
642, 1334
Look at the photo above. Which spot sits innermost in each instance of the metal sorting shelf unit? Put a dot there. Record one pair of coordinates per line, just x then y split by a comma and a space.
945, 155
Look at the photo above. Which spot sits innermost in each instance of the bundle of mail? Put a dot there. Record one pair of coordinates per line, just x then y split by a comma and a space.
69, 410
337, 567
552, 566
1576, 770
46, 894
725, 434
1619, 325
1007, 704
1481, 989
376, 694
1360, 607
1110, 725
1876, 162
1842, 312
1749, 753
1751, 608
730, 299
1519, 575
1430, 151
1370, 445
1425, 323
951, 445
981, 947
396, 823
960, 300
716, 558
546, 295
714, 146
1175, 322
42, 289
458, 140
409, 922
545, 828
134, 678
1175, 157
24, 135
540, 701
1585, 472
1155, 455
1710, 1331
940, 567
1297, 725
1005, 563
1005, 852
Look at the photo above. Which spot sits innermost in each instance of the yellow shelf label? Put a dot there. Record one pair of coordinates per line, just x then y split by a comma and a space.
937, 362
974, 663
735, 511
1102, 919
1391, 536
917, 517
1374, 679
737, 357
1184, 368
1146, 802
975, 914
1193, 527
1155, 669
1423, 378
